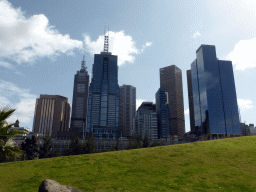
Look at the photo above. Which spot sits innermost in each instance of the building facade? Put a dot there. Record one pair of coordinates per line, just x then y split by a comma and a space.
145, 121
52, 114
214, 94
162, 113
171, 80
127, 110
191, 103
103, 103
80, 102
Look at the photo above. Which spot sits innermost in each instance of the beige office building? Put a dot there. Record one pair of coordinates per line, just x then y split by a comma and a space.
171, 80
52, 113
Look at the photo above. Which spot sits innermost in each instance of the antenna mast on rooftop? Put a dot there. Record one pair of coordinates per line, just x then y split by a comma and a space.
105, 41
83, 66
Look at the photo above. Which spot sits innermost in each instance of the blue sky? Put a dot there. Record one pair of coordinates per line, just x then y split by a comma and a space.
42, 44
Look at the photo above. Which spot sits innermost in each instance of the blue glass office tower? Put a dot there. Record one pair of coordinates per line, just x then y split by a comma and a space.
162, 112
103, 103
214, 94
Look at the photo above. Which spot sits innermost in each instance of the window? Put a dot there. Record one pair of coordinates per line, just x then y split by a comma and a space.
80, 88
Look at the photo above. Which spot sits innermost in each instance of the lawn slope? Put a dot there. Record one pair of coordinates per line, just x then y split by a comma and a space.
216, 165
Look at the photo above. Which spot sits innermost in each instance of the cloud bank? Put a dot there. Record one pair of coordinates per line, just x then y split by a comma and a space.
25, 105
119, 44
243, 55
24, 39
244, 105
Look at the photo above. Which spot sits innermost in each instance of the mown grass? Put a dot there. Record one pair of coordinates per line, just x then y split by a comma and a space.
216, 165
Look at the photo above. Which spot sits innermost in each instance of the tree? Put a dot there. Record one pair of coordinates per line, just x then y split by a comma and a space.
136, 143
89, 145
8, 149
30, 148
146, 141
46, 150
117, 145
75, 147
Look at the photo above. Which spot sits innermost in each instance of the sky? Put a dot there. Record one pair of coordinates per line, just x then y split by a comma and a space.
42, 44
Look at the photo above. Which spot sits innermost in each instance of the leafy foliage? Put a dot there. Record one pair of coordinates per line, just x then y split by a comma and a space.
30, 148
8, 149
89, 145
46, 151
75, 147
146, 141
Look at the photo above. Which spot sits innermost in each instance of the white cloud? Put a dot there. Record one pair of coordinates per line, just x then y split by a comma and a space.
25, 39
244, 105
139, 102
25, 105
119, 44
187, 112
243, 56
195, 35
6, 65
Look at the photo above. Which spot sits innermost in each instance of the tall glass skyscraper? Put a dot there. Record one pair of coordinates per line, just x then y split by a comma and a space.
171, 80
214, 94
80, 102
162, 110
127, 110
103, 103
145, 121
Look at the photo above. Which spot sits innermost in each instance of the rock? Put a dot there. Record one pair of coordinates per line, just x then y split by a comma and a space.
49, 185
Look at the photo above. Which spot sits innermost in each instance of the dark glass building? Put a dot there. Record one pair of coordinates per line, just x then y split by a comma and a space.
162, 113
145, 121
191, 103
127, 110
214, 94
171, 80
103, 103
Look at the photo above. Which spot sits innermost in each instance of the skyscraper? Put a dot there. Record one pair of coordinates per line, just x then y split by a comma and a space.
127, 109
191, 103
145, 121
103, 103
162, 113
214, 94
52, 113
80, 102
171, 80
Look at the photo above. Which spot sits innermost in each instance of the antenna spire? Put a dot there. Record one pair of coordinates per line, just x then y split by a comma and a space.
105, 41
83, 66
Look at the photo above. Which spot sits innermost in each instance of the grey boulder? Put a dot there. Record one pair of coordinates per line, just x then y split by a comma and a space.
49, 185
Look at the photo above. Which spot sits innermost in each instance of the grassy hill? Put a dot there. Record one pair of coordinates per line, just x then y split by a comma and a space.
216, 165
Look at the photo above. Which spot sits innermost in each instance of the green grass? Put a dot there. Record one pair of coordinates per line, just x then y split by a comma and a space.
216, 165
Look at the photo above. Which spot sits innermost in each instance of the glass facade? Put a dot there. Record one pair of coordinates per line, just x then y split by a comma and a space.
80, 102
145, 121
162, 113
214, 94
103, 104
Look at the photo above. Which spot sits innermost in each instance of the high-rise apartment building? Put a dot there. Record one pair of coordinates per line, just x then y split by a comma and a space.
191, 103
214, 94
80, 102
127, 110
52, 113
145, 121
171, 80
103, 103
162, 110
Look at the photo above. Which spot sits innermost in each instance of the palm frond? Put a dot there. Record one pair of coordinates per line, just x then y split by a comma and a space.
5, 113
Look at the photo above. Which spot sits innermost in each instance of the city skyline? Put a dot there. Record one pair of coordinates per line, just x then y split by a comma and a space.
43, 63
